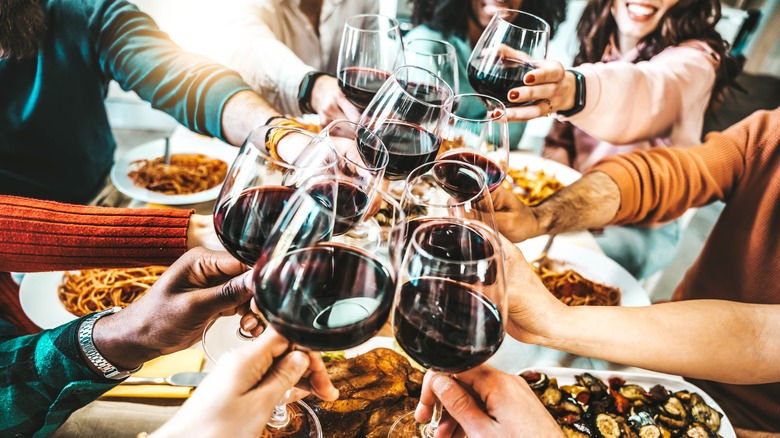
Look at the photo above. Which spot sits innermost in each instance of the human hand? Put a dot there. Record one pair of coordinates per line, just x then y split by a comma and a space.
172, 315
550, 85
485, 402
330, 103
514, 219
200, 232
238, 397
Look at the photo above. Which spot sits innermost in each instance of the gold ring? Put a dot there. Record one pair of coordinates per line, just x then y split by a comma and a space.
549, 107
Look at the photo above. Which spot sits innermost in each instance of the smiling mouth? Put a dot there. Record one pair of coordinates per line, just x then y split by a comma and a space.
640, 11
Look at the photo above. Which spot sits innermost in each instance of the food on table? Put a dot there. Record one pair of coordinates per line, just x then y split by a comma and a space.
93, 290
375, 389
573, 289
186, 174
531, 187
590, 408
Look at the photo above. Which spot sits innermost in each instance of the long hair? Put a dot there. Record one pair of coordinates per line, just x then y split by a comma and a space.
686, 20
450, 17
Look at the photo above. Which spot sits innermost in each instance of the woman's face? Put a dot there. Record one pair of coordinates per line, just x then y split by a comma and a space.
483, 10
638, 18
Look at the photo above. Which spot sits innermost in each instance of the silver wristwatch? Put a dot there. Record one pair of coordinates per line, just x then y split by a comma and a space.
88, 346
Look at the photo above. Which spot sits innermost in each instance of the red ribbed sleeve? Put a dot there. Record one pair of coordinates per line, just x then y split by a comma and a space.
49, 236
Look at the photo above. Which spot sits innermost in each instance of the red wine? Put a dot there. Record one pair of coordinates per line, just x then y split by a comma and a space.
463, 184
351, 204
445, 325
243, 223
326, 297
409, 146
499, 77
360, 84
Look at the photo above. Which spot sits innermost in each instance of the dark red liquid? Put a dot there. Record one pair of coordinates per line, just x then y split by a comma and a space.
360, 84
445, 325
244, 223
499, 78
351, 205
409, 145
341, 297
463, 181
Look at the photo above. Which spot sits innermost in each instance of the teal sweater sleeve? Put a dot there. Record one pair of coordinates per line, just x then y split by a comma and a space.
44, 380
133, 51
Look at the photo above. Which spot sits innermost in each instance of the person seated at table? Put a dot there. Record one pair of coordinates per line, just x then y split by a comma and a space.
49, 375
644, 77
735, 339
445, 20
288, 52
56, 60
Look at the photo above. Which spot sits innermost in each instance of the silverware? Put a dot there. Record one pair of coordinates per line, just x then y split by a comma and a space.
543, 260
178, 379
167, 155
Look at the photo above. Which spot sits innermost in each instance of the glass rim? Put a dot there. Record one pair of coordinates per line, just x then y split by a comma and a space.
450, 47
465, 223
501, 108
390, 20
430, 167
264, 153
500, 15
386, 156
416, 99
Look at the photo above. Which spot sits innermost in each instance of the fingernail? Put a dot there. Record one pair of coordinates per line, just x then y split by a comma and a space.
250, 324
514, 95
530, 79
440, 384
299, 360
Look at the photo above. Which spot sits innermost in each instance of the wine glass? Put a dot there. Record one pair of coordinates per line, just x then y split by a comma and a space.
371, 48
436, 56
475, 130
405, 114
505, 51
450, 303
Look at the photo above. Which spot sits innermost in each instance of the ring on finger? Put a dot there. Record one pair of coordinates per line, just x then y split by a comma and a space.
549, 107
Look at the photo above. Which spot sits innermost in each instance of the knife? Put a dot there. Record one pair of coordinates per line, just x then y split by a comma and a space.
178, 379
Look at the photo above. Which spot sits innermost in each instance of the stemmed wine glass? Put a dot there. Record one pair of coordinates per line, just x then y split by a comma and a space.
450, 303
371, 48
475, 130
405, 114
436, 56
506, 51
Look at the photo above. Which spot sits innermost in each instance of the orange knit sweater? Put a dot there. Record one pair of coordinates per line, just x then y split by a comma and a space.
741, 259
49, 236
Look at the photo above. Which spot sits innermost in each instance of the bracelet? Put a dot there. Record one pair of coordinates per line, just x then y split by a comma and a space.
274, 136
579, 95
91, 352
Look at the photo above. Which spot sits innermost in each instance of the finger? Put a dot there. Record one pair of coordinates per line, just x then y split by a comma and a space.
460, 404
319, 381
546, 72
285, 373
225, 297
351, 112
427, 399
213, 267
245, 366
530, 112
536, 92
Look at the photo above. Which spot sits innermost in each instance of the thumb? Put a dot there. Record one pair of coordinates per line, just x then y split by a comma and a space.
460, 405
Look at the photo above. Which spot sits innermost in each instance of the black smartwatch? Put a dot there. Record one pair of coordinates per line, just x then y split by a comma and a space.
579, 95
304, 91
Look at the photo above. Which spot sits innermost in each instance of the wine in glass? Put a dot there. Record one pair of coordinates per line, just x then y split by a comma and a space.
450, 303
506, 51
371, 48
475, 130
436, 56
405, 114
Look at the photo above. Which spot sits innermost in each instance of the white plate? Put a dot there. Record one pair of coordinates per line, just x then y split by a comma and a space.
202, 145
565, 376
564, 174
38, 295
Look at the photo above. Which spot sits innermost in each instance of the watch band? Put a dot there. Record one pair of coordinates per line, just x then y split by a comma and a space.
579, 95
90, 351
304, 91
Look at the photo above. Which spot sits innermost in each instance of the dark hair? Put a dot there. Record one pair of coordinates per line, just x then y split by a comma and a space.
686, 20
450, 17
22, 25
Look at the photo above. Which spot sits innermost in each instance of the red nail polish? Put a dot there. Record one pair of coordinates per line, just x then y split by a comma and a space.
514, 95
530, 79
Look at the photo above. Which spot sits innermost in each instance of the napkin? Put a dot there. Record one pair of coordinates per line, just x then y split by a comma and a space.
181, 361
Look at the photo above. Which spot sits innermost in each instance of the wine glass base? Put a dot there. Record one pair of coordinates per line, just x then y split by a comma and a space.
303, 423
222, 335
407, 427
365, 235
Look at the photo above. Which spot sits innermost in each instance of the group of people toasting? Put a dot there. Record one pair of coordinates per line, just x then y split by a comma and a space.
396, 208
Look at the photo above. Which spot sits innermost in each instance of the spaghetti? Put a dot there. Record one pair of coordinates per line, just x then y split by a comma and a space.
531, 187
187, 173
573, 289
93, 290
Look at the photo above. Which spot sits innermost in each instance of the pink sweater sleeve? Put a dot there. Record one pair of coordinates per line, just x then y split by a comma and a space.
629, 102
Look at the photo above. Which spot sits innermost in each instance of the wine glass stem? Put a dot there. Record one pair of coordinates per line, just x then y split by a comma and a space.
430, 429
280, 417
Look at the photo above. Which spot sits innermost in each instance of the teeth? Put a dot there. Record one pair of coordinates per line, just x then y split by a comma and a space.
640, 10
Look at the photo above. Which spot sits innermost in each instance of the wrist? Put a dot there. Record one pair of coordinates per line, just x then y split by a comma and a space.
306, 91
198, 228
575, 96
119, 342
